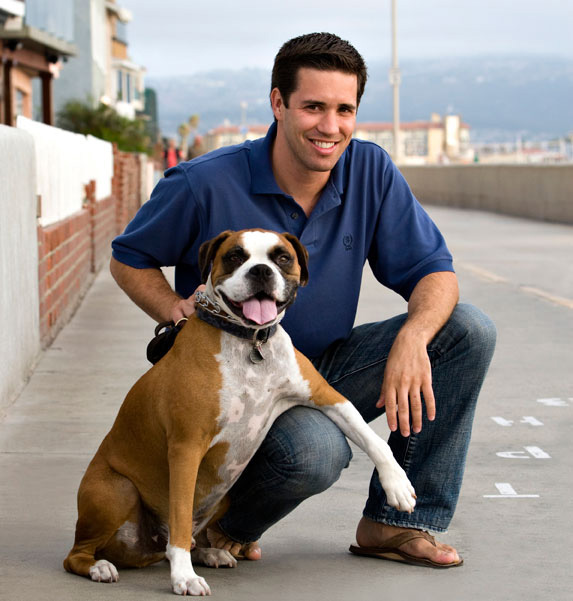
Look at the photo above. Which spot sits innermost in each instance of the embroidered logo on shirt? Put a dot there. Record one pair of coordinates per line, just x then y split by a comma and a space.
347, 241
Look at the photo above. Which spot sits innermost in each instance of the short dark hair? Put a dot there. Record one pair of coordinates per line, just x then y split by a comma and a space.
323, 51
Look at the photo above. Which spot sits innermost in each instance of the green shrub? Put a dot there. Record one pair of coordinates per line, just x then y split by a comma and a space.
105, 123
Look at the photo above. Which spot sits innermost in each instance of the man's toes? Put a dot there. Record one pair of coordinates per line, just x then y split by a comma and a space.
252, 551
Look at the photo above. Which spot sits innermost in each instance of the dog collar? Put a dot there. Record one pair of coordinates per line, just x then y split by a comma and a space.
211, 312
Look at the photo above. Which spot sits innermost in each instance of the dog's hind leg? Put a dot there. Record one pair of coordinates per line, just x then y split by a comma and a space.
106, 501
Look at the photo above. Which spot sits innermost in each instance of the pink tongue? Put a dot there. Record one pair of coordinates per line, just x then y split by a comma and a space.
260, 311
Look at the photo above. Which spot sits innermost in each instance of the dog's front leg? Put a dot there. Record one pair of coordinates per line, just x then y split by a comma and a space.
399, 491
184, 462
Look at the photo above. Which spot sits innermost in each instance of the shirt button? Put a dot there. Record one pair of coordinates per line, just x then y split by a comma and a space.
294, 215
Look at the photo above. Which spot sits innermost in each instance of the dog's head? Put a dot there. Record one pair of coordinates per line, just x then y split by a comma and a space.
254, 274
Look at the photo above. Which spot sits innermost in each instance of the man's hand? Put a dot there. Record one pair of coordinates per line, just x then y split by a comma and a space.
408, 375
185, 307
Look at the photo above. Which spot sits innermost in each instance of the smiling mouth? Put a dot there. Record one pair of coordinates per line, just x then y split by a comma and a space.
260, 308
324, 145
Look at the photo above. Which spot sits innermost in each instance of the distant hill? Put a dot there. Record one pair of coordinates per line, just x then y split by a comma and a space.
499, 97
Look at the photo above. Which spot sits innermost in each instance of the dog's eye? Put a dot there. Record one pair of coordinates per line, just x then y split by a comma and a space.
283, 259
236, 259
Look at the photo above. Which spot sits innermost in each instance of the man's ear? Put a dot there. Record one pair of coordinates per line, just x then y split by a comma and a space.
207, 252
277, 103
301, 255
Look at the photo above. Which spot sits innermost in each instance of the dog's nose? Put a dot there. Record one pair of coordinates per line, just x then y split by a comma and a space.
261, 272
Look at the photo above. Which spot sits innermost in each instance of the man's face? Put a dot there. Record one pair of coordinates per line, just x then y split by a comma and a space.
317, 126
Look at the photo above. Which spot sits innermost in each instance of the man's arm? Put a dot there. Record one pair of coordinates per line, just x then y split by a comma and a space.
408, 373
150, 291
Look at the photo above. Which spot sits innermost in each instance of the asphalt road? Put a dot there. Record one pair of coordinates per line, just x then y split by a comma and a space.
514, 518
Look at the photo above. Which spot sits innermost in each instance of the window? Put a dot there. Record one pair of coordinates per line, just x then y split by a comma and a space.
20, 97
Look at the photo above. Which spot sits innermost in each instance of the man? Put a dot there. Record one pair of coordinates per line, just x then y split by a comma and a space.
347, 203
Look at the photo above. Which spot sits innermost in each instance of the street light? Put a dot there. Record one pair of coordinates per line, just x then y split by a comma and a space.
395, 79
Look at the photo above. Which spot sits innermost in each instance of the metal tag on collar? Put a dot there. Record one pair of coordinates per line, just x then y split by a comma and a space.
255, 354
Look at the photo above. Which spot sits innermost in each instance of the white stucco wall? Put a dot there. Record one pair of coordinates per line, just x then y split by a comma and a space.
65, 162
19, 316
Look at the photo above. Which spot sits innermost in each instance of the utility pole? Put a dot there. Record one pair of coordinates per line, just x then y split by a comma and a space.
395, 79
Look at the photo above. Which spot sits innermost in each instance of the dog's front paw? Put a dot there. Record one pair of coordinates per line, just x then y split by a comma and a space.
213, 558
193, 585
400, 493
104, 571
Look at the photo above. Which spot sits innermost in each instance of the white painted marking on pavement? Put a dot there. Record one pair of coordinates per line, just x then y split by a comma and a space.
505, 488
537, 453
532, 421
507, 423
554, 402
503, 422
508, 492
513, 454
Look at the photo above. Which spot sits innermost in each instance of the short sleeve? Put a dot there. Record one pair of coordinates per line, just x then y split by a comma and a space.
407, 244
163, 228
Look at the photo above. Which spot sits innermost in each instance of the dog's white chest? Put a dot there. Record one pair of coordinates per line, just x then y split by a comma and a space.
252, 396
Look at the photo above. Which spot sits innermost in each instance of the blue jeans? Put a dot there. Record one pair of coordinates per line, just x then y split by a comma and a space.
304, 452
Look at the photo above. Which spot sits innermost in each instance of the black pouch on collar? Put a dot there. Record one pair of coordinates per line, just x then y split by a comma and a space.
163, 341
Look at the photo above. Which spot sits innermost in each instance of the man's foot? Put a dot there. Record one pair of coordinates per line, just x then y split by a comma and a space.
403, 544
219, 540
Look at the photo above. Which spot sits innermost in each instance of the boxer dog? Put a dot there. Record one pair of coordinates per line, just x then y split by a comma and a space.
190, 425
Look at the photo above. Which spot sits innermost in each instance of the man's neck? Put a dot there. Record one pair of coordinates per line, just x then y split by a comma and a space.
303, 185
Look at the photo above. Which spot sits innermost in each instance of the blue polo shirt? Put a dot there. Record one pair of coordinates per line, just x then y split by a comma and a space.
365, 212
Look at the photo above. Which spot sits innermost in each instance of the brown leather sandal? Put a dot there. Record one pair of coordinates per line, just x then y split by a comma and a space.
391, 551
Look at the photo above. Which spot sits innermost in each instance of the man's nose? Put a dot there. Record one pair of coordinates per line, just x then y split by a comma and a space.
329, 123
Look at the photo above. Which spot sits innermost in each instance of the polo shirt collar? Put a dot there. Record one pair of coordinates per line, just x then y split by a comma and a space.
262, 177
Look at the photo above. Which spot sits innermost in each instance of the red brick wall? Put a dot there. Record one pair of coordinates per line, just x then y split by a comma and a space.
103, 227
71, 251
126, 186
64, 256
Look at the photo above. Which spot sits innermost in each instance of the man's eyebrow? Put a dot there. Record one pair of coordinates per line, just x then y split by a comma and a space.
344, 105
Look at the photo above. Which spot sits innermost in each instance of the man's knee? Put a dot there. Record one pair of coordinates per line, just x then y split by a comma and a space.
307, 450
477, 328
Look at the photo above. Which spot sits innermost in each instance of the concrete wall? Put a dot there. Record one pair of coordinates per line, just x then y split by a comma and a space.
543, 192
19, 317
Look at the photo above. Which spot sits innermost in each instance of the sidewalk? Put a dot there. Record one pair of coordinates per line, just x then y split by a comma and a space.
514, 548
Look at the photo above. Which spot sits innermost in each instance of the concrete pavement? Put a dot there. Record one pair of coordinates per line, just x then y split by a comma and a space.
515, 546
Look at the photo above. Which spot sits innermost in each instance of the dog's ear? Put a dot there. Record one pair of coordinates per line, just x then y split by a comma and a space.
207, 252
302, 256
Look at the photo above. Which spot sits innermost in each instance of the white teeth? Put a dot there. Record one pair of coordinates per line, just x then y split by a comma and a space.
323, 144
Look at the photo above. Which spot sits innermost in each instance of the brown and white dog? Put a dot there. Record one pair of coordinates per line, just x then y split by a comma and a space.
190, 425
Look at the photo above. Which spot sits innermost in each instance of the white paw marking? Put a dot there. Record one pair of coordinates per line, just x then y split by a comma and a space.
213, 558
399, 492
183, 578
104, 571
192, 585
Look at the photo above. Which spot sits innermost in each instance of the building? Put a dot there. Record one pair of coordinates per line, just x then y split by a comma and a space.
423, 142
35, 36
102, 71
440, 140
228, 135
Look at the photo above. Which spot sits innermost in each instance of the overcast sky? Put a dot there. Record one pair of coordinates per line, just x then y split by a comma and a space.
175, 37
